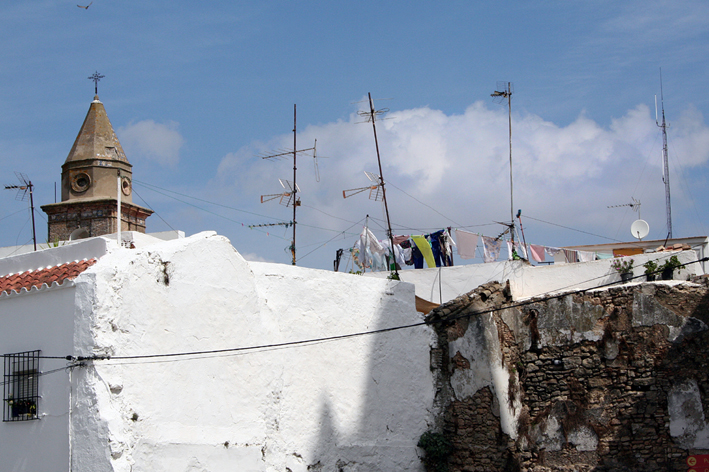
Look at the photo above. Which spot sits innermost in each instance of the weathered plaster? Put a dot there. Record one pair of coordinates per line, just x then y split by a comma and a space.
362, 402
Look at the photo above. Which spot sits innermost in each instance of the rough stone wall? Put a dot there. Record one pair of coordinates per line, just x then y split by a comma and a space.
614, 379
98, 218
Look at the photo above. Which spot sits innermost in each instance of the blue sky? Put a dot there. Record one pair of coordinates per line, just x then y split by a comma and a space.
197, 91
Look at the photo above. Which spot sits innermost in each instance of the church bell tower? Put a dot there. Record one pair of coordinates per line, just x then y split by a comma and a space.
90, 185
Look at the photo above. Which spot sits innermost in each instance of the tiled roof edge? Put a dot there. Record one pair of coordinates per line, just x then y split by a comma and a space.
66, 283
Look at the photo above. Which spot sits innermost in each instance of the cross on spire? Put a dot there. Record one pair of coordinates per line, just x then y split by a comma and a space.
96, 77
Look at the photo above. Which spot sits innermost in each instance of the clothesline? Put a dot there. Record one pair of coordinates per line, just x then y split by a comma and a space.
436, 249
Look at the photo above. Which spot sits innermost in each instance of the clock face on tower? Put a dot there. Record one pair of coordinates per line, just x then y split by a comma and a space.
81, 182
126, 186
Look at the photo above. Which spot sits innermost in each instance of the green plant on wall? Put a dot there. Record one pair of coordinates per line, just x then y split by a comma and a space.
671, 264
650, 267
437, 448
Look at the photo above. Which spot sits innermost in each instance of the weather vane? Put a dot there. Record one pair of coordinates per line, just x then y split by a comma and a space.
96, 77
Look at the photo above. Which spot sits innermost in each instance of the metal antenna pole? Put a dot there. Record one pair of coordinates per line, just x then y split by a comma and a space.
295, 187
665, 164
381, 177
507, 93
21, 195
509, 117
34, 234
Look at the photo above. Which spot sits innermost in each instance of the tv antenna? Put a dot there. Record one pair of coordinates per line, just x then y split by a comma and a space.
22, 191
291, 193
634, 205
665, 165
288, 198
371, 116
505, 91
375, 190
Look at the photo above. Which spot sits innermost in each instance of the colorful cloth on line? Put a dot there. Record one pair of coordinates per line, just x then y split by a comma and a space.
570, 255
467, 243
425, 248
537, 252
491, 248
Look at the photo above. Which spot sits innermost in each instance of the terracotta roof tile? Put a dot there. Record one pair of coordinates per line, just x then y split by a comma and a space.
39, 277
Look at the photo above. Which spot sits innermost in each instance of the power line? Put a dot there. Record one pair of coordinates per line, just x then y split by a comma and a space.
573, 229
155, 212
352, 335
153, 187
422, 203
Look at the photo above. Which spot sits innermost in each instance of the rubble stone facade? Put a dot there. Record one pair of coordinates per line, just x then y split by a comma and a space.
614, 379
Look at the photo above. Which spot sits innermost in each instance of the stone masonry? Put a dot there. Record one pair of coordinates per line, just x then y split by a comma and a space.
613, 379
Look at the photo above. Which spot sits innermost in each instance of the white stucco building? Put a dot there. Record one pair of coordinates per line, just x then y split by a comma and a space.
242, 400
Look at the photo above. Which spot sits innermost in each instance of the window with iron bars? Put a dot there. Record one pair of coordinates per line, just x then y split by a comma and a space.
21, 386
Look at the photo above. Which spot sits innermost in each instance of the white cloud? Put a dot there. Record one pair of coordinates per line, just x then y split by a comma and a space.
458, 166
159, 142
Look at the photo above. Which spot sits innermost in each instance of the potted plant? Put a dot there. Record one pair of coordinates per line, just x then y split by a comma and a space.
650, 270
669, 267
624, 267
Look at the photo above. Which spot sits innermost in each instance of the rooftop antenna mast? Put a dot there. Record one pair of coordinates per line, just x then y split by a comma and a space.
22, 191
665, 165
371, 115
504, 91
634, 205
290, 196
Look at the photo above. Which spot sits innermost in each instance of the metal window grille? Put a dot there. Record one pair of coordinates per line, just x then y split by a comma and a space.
21, 386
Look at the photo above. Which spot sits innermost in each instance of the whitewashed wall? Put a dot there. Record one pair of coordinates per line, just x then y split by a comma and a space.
440, 285
358, 404
29, 321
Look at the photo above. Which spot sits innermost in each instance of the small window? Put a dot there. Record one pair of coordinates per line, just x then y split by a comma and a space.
21, 386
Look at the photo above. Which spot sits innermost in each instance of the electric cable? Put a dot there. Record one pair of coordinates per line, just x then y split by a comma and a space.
11, 214
154, 212
204, 209
523, 303
329, 240
574, 229
422, 203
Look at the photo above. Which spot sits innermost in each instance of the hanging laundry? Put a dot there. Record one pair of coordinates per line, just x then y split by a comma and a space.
357, 256
447, 245
425, 248
552, 251
370, 241
435, 242
570, 255
604, 255
379, 261
398, 250
537, 252
408, 251
586, 256
368, 252
400, 239
417, 256
518, 248
491, 248
467, 243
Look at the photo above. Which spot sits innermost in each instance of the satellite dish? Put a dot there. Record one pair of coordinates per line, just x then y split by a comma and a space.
639, 229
